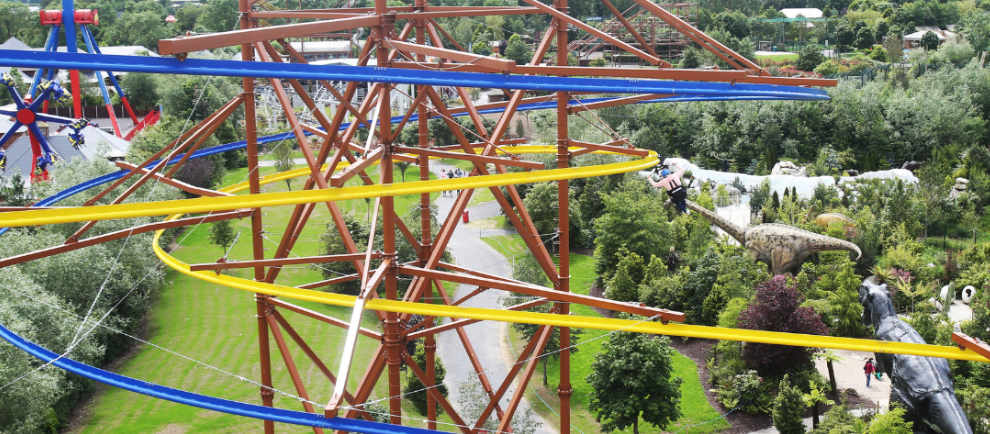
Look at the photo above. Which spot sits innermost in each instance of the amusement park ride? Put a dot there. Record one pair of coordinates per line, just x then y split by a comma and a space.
407, 45
45, 90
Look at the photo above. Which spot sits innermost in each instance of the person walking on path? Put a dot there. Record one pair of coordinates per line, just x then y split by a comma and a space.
869, 368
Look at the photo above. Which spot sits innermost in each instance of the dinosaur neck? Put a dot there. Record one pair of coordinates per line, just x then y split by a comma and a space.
730, 228
824, 242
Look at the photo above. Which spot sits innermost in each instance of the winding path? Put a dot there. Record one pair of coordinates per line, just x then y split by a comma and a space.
488, 338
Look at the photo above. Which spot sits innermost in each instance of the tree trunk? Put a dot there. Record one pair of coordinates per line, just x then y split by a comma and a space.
814, 416
545, 371
636, 425
831, 379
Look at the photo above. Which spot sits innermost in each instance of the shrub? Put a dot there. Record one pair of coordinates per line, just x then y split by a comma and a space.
788, 409
746, 391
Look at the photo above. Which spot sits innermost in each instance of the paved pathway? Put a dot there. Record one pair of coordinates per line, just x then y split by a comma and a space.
488, 338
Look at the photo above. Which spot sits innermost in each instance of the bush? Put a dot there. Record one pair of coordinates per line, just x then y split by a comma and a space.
747, 392
809, 58
776, 308
788, 409
415, 389
828, 68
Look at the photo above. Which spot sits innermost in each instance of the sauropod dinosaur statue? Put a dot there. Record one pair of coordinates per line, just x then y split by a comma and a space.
922, 384
783, 247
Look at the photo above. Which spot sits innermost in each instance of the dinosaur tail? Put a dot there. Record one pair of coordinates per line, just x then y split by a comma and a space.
825, 242
731, 228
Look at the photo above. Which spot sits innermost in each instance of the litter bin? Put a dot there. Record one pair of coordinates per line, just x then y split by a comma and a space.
465, 216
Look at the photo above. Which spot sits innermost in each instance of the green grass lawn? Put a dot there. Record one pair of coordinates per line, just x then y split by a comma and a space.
218, 326
697, 415
777, 58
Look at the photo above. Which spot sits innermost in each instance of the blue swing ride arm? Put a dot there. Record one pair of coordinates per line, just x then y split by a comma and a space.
49, 46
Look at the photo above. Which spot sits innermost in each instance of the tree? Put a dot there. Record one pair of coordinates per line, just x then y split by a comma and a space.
776, 308
283, 159
788, 408
138, 28
472, 400
891, 422
17, 21
628, 274
864, 38
632, 378
415, 389
517, 50
929, 40
141, 90
218, 16
19, 83
809, 57
690, 59
895, 48
813, 399
12, 191
222, 234
633, 218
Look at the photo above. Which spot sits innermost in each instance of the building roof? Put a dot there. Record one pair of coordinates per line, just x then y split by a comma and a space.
14, 44
121, 50
802, 12
941, 34
329, 46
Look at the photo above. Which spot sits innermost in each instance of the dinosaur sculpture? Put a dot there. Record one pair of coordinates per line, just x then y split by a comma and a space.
922, 384
783, 247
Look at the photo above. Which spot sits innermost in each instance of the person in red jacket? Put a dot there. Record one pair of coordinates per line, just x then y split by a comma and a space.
869, 368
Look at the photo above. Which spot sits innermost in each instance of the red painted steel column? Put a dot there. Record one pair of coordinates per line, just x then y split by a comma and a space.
564, 388
429, 342
393, 332
251, 136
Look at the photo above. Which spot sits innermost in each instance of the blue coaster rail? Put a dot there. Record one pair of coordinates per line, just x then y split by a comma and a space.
202, 401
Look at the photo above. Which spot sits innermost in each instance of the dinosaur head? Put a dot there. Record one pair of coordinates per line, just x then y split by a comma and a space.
876, 301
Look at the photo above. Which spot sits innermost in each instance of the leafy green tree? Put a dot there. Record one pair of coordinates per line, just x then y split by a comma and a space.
141, 90
634, 218
864, 38
690, 59
222, 234
139, 28
19, 83
17, 21
788, 408
809, 57
219, 16
12, 191
976, 29
815, 397
283, 159
415, 390
929, 40
29, 404
472, 400
628, 274
891, 422
631, 379
334, 245
187, 16
517, 50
